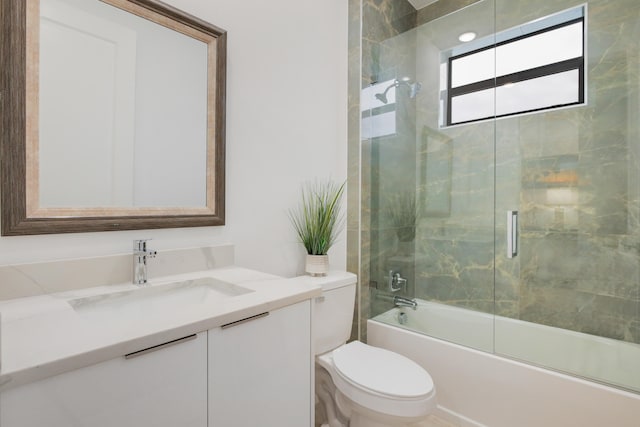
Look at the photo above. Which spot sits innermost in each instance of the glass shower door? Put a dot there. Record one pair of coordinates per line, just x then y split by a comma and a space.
568, 161
428, 184
500, 171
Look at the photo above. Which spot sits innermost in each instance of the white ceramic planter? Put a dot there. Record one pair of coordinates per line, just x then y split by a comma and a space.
317, 265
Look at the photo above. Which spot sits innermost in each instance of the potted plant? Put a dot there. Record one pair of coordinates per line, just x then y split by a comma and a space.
317, 221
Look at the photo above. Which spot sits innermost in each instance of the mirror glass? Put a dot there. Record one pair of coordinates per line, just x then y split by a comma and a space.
114, 118
122, 110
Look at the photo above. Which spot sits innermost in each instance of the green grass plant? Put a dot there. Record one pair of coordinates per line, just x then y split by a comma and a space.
319, 217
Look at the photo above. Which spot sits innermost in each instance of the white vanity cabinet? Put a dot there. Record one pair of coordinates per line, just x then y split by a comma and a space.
163, 386
253, 372
260, 370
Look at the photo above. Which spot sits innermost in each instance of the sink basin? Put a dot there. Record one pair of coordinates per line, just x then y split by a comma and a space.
157, 299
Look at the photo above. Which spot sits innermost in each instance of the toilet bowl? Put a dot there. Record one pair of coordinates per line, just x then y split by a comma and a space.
359, 385
377, 387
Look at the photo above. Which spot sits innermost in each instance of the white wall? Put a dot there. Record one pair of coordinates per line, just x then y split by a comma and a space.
286, 123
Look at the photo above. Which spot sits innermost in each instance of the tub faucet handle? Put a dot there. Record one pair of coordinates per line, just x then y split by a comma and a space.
396, 282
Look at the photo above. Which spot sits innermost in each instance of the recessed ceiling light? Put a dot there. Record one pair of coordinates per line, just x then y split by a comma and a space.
467, 37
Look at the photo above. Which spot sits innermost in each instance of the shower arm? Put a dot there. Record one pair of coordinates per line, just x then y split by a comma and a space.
396, 83
413, 89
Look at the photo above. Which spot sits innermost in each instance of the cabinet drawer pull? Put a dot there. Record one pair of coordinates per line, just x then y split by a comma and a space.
160, 346
248, 319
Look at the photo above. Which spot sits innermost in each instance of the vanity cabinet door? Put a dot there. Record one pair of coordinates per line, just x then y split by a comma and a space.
162, 388
260, 370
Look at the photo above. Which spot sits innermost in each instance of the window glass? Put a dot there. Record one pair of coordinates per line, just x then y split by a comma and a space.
473, 106
535, 94
542, 49
535, 66
473, 68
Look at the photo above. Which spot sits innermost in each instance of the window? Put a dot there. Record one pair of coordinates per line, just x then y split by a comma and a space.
534, 67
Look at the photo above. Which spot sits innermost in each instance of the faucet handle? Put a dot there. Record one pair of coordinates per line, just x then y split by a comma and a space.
395, 282
401, 282
140, 245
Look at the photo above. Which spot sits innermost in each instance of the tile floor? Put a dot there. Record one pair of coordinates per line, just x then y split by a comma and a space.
434, 421
431, 421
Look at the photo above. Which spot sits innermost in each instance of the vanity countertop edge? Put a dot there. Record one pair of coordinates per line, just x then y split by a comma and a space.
42, 336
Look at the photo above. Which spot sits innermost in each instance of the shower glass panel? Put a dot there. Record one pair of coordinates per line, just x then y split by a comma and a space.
538, 114
574, 176
429, 190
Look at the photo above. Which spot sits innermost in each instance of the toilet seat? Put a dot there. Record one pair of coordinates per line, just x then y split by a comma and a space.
382, 371
380, 380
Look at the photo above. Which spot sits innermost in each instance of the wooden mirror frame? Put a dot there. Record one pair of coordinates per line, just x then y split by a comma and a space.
17, 217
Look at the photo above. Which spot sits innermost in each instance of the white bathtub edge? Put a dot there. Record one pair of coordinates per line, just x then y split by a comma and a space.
474, 387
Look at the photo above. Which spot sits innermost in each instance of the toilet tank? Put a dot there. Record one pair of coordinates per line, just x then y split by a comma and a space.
333, 310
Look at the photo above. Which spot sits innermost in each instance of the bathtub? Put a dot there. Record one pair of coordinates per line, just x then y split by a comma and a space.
476, 387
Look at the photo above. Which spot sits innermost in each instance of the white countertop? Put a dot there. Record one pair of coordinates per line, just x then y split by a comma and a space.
44, 335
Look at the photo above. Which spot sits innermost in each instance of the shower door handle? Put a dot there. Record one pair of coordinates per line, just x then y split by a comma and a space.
512, 234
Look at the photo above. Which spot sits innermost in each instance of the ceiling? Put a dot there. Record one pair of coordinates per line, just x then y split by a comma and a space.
419, 4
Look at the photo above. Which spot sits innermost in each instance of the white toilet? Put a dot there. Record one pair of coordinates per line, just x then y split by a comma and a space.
359, 385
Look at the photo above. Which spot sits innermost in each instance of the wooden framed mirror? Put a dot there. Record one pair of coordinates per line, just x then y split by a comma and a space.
113, 117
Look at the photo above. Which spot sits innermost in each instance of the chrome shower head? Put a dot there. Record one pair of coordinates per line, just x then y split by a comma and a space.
382, 97
414, 89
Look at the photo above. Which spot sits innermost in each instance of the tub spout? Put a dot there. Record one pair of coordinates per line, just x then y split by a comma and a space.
399, 301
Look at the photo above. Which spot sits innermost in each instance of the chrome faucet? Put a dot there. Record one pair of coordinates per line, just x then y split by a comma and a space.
395, 282
140, 256
399, 301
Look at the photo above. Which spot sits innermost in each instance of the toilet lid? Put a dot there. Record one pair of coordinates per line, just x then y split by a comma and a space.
382, 371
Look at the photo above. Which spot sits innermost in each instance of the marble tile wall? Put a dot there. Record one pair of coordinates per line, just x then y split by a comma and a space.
439, 9
579, 265
355, 245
